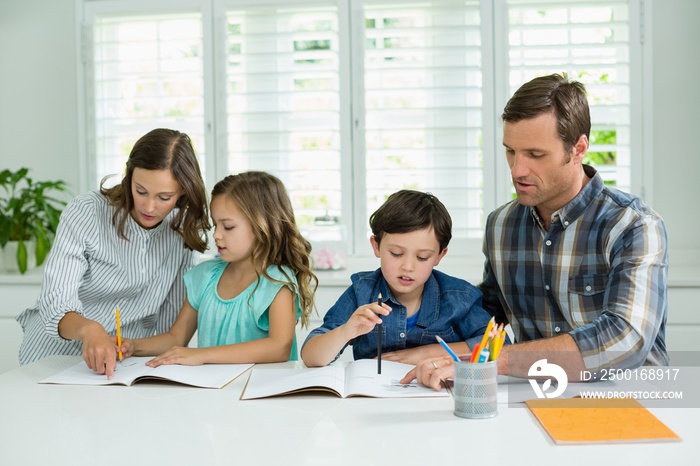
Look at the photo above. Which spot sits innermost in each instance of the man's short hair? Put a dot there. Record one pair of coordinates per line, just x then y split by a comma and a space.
556, 94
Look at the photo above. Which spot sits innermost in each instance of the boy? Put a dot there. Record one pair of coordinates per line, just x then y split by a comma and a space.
410, 234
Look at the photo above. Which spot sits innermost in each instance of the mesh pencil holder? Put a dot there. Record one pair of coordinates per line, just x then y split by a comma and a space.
476, 389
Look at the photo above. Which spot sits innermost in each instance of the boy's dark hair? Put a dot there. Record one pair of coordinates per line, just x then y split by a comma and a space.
406, 211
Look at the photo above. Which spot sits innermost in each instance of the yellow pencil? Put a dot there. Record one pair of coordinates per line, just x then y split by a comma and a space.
486, 333
500, 341
119, 336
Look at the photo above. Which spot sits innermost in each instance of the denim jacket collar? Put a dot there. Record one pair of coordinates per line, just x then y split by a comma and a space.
429, 310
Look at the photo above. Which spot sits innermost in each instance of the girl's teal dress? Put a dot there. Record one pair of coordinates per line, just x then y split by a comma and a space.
243, 318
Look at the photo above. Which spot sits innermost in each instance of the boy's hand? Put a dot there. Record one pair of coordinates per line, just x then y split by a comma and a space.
364, 319
414, 355
178, 355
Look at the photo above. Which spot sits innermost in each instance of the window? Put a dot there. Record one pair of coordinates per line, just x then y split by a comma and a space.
348, 101
591, 42
282, 94
144, 71
423, 106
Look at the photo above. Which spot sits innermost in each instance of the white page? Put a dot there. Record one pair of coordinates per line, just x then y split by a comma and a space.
361, 378
80, 374
270, 382
204, 376
207, 375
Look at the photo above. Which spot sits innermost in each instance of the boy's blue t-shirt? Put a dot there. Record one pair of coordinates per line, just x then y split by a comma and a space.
450, 308
412, 321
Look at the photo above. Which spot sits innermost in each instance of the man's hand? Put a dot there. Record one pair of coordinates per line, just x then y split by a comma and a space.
431, 372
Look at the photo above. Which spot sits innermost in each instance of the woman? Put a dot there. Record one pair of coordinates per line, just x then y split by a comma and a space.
124, 247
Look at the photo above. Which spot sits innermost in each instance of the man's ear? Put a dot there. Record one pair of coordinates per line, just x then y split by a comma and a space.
375, 245
440, 256
580, 148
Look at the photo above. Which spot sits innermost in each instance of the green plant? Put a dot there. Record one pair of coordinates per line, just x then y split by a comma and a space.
29, 213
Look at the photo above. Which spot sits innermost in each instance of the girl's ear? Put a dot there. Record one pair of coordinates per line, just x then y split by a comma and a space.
375, 245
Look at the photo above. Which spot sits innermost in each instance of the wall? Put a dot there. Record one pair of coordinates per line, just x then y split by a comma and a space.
676, 105
38, 89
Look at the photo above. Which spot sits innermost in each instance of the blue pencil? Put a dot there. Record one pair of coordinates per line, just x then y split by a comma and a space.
447, 348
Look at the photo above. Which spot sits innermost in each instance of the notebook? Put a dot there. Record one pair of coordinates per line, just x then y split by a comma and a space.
358, 378
589, 420
134, 369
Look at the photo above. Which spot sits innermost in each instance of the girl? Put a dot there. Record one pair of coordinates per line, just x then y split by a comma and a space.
245, 304
124, 247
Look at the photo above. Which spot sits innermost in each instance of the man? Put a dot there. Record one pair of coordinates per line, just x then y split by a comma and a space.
578, 269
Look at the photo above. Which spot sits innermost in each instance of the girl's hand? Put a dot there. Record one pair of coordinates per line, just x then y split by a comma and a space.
128, 347
364, 319
178, 355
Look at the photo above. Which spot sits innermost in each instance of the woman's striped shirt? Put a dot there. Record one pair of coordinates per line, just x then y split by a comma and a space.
92, 271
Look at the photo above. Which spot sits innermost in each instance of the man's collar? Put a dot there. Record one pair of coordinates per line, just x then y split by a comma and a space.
578, 205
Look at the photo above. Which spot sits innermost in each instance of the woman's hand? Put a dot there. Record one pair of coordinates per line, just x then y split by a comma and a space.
99, 350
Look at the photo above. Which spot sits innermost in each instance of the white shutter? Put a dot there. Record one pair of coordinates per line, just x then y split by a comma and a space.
590, 41
146, 72
348, 101
283, 99
423, 105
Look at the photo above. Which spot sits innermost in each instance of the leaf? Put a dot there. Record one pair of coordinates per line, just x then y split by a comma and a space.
28, 212
4, 230
17, 176
42, 245
22, 257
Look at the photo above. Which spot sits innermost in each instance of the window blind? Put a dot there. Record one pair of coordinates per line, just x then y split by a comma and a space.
590, 41
423, 105
283, 100
146, 72
348, 101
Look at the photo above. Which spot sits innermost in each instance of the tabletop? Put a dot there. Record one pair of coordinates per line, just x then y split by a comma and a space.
168, 423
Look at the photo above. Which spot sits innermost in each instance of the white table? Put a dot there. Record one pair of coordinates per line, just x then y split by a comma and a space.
170, 424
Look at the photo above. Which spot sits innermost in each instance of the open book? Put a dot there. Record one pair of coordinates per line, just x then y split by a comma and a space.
133, 369
358, 378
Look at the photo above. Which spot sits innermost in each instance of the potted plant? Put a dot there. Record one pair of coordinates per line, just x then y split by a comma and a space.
28, 214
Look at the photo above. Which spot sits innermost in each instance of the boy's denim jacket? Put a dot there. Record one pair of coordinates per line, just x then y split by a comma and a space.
450, 307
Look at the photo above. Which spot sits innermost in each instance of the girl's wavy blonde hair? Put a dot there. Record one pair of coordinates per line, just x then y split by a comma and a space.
263, 199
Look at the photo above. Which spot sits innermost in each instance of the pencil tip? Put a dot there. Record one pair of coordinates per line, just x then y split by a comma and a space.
380, 296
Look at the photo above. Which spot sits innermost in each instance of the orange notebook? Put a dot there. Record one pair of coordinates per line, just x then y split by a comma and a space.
587, 420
